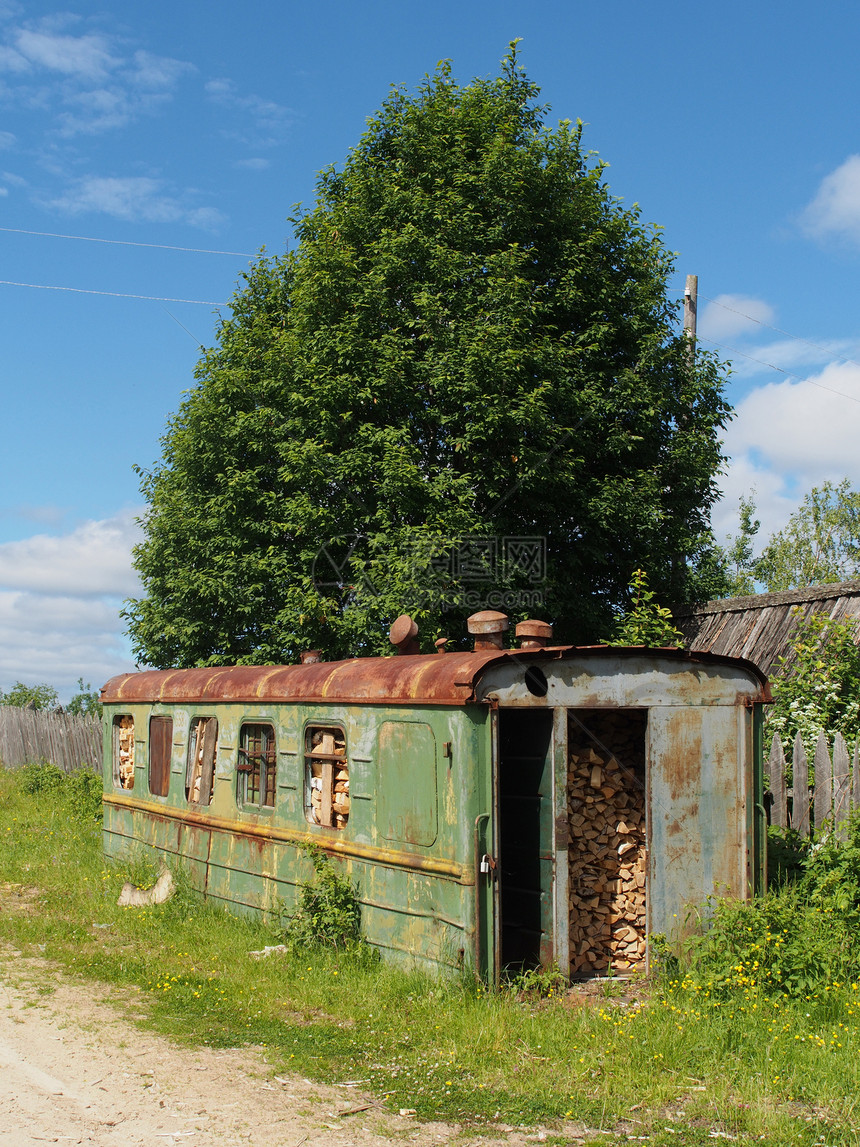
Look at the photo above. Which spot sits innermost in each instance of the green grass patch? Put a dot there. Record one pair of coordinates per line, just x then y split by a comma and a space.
702, 1057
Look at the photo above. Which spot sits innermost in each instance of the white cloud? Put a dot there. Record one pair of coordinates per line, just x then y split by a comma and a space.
91, 561
87, 57
790, 355
255, 164
835, 210
13, 61
810, 427
7, 140
773, 499
57, 640
136, 198
255, 121
59, 604
149, 71
730, 316
89, 82
787, 437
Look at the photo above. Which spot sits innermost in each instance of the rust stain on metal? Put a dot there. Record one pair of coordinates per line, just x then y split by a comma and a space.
404, 680
259, 833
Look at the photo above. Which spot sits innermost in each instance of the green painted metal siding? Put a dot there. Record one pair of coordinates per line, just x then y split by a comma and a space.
410, 842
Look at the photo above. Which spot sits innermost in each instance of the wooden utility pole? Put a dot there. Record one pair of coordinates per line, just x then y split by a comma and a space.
691, 294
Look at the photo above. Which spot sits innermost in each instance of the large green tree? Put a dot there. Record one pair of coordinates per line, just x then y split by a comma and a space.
470, 341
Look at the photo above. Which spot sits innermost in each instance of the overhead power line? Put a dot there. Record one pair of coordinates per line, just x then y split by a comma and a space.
125, 242
779, 331
112, 294
782, 370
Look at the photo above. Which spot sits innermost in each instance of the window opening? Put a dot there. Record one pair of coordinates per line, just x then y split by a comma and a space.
607, 858
200, 769
160, 746
123, 751
257, 766
327, 776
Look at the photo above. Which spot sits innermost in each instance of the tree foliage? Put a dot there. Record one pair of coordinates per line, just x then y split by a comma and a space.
30, 696
820, 544
85, 703
740, 563
646, 622
471, 342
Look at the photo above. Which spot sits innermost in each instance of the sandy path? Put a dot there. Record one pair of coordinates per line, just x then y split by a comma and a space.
74, 1068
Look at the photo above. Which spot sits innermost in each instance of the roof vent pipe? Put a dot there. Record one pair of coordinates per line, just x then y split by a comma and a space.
404, 634
533, 634
487, 628
310, 656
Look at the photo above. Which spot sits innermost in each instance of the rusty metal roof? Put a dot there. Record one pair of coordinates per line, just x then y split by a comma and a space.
429, 679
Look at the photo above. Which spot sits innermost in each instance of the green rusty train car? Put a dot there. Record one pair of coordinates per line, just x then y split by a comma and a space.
495, 808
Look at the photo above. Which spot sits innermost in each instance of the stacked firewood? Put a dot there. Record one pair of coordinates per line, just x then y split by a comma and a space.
125, 749
329, 779
607, 855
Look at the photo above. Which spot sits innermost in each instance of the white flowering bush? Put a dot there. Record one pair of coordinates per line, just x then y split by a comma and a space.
820, 689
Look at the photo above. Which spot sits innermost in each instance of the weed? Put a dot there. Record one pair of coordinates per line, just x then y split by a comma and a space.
537, 982
327, 913
81, 788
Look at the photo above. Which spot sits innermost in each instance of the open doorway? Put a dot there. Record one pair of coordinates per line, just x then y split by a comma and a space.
607, 854
525, 838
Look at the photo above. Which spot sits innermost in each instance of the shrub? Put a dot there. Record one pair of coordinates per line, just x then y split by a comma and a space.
80, 790
820, 689
328, 913
645, 622
798, 938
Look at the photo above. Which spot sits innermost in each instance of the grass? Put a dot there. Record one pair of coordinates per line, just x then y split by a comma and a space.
699, 1060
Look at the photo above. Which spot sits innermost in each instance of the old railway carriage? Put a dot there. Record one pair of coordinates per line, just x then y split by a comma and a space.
495, 808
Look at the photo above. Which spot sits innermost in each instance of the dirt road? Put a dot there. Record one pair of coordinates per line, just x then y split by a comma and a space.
75, 1068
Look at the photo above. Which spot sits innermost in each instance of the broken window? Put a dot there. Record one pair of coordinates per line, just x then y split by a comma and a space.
123, 751
160, 745
327, 776
256, 768
200, 769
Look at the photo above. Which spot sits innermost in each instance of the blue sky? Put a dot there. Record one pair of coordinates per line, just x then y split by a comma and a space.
180, 135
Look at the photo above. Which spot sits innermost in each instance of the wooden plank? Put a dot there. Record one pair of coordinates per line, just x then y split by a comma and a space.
776, 772
823, 791
326, 817
841, 785
800, 788
210, 741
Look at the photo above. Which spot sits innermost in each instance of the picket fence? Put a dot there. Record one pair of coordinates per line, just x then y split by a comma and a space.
28, 735
831, 797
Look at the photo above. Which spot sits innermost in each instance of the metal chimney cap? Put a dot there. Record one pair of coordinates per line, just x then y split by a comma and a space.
487, 621
310, 656
534, 628
403, 629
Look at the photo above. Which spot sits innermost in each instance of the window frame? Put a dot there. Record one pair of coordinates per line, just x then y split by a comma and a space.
266, 776
330, 817
116, 759
160, 769
201, 759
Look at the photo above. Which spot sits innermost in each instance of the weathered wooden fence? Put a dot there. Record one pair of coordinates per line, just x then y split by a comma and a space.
831, 797
67, 741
